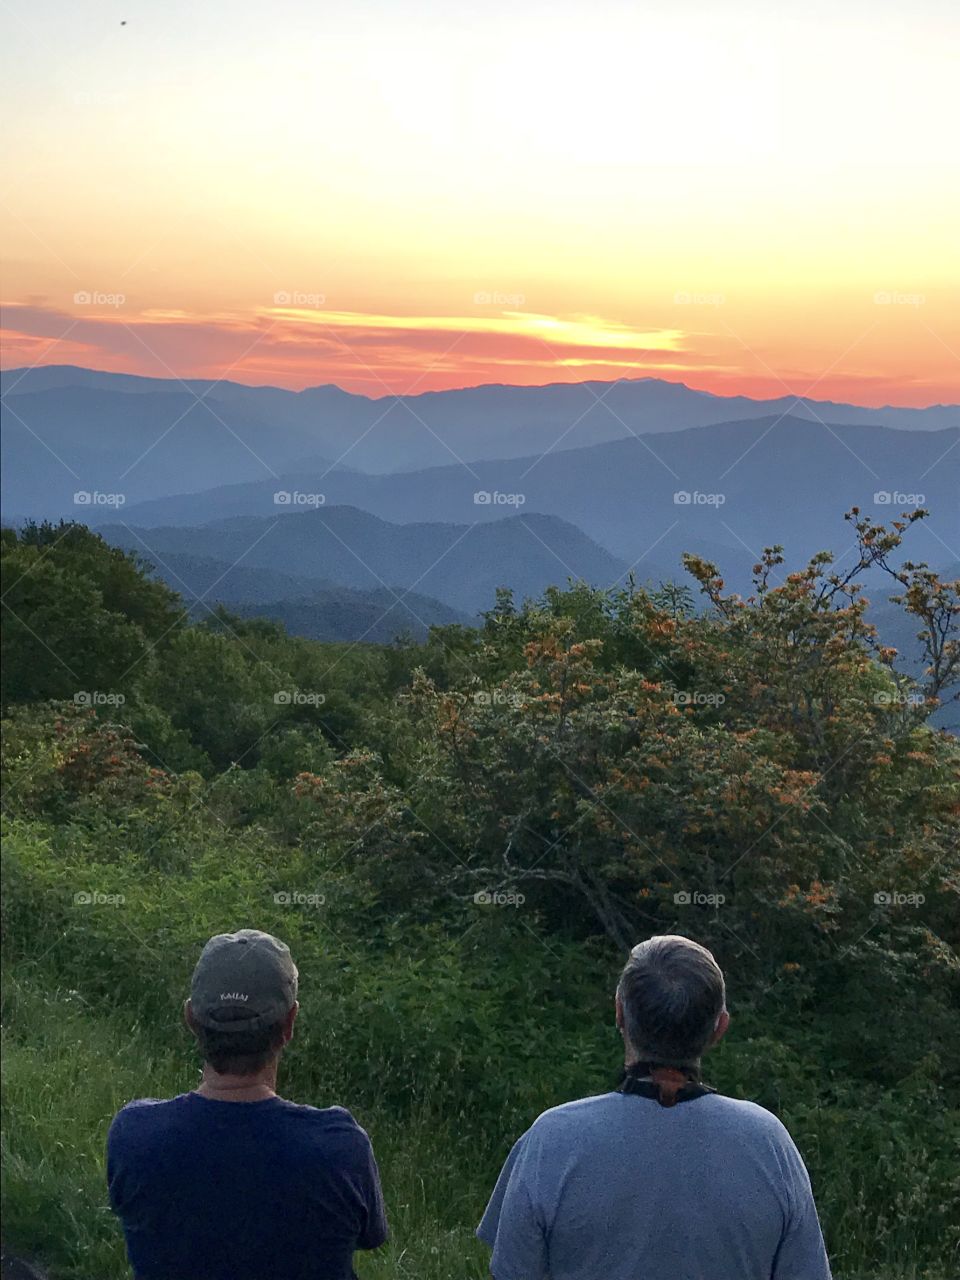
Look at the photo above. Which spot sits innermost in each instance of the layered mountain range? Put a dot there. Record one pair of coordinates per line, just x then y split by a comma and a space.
349, 517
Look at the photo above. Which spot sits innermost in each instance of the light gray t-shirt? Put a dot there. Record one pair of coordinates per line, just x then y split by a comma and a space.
617, 1187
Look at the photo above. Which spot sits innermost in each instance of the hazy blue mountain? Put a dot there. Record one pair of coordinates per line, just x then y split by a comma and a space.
67, 429
318, 608
458, 564
62, 441
368, 617
782, 481
201, 578
306, 606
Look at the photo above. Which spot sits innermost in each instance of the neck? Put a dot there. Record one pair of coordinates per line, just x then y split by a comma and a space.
668, 1081
633, 1062
233, 1088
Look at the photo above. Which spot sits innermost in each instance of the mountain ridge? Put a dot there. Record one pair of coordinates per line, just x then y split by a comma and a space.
460, 566
781, 480
21, 373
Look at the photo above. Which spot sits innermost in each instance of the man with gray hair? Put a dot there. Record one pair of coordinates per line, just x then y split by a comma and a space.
663, 1179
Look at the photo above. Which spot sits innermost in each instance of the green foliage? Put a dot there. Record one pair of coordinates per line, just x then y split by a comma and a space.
79, 616
590, 756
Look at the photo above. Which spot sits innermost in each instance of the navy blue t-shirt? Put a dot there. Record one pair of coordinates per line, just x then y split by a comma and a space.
269, 1190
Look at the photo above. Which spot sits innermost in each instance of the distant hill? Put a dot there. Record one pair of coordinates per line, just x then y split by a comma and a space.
67, 429
749, 484
370, 617
198, 577
306, 606
316, 607
58, 442
458, 564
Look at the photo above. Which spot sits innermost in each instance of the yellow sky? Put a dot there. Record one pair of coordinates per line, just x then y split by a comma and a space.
739, 198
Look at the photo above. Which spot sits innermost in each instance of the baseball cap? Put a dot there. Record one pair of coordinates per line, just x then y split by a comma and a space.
243, 981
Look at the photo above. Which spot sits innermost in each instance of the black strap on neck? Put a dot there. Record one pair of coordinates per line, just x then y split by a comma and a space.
634, 1081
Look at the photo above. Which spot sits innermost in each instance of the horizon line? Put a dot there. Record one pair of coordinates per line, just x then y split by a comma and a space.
24, 370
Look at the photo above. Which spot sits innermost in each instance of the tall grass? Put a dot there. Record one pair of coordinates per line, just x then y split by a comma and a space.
67, 1070
444, 1046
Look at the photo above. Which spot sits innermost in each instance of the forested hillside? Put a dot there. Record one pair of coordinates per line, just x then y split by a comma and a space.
459, 837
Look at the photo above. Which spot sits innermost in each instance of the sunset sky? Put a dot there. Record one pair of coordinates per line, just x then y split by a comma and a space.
745, 197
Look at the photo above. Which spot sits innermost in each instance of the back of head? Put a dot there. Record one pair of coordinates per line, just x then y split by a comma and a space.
243, 988
672, 994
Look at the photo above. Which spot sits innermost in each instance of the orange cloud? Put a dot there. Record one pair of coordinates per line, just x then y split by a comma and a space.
298, 342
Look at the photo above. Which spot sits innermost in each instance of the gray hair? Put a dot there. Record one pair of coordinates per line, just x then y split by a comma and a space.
672, 993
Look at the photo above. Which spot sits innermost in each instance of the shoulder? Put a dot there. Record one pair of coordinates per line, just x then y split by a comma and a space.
142, 1123
596, 1111
325, 1136
746, 1126
145, 1111
334, 1126
147, 1119
749, 1117
604, 1110
581, 1110
332, 1120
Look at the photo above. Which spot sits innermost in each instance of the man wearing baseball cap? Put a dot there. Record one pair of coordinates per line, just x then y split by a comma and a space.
231, 1181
